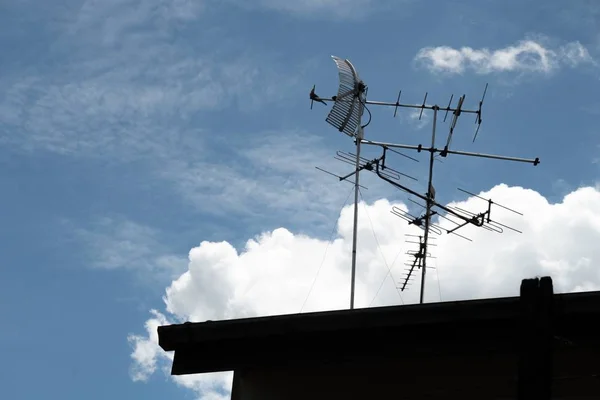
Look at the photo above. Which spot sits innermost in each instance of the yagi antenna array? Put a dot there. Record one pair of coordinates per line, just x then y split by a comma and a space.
346, 116
415, 259
368, 165
458, 218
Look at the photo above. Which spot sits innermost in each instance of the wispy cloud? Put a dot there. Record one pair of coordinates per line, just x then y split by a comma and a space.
323, 9
115, 243
270, 177
130, 83
524, 56
418, 120
127, 91
247, 173
145, 107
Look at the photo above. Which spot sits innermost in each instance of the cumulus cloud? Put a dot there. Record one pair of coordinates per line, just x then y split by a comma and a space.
147, 354
524, 56
275, 271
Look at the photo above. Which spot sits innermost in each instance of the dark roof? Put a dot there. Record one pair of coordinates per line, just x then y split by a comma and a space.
232, 344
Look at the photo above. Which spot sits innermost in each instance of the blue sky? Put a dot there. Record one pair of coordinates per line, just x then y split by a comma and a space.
132, 131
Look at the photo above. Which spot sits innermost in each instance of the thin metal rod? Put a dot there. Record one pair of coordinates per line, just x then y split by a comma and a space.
392, 145
355, 228
424, 198
461, 153
534, 161
419, 106
429, 205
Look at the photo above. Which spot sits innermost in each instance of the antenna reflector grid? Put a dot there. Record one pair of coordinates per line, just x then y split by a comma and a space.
348, 107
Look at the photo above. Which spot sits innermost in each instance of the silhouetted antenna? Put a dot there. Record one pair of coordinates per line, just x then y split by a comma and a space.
485, 217
345, 115
447, 108
412, 238
419, 222
478, 119
455, 116
397, 103
416, 258
341, 178
458, 217
437, 228
368, 165
423, 106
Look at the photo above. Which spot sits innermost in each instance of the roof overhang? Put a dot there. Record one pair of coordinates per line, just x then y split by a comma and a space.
252, 342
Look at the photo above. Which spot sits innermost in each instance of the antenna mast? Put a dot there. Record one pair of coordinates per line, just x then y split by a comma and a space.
346, 117
428, 207
355, 223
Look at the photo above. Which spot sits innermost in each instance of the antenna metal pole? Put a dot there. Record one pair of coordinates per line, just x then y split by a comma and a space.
429, 204
534, 161
359, 138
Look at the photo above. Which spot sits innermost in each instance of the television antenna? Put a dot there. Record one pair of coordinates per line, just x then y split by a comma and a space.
345, 115
366, 164
415, 259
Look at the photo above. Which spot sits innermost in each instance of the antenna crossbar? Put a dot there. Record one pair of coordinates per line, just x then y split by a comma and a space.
401, 105
420, 148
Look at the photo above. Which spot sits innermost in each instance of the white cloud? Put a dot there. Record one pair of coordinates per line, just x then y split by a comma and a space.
274, 272
413, 119
145, 354
524, 56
